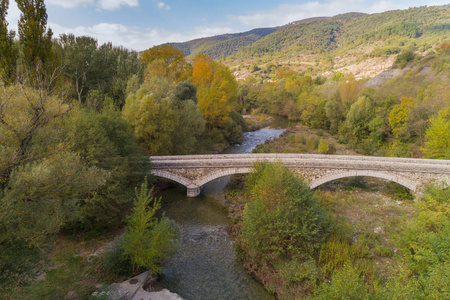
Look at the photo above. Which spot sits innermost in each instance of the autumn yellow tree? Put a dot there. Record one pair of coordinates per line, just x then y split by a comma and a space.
216, 90
398, 117
165, 61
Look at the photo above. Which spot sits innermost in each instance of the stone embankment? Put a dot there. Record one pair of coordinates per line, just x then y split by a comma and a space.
134, 289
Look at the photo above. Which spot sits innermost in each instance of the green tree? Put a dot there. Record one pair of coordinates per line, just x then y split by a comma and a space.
190, 125
359, 117
42, 178
334, 111
425, 242
148, 241
438, 136
282, 219
78, 54
8, 51
104, 140
24, 113
185, 90
35, 39
151, 113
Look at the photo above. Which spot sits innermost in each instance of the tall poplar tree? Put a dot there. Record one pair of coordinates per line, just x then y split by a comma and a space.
34, 36
8, 53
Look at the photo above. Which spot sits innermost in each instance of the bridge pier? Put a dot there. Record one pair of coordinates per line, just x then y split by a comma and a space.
193, 190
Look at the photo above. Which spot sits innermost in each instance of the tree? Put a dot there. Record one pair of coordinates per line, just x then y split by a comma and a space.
104, 140
282, 219
359, 117
349, 89
185, 90
216, 90
165, 61
438, 136
8, 51
78, 55
24, 113
41, 178
190, 125
104, 69
151, 113
34, 37
399, 117
334, 112
148, 240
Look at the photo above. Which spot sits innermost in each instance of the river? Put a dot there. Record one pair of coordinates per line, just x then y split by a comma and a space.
206, 266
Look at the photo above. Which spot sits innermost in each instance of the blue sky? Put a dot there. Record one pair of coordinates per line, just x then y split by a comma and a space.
141, 24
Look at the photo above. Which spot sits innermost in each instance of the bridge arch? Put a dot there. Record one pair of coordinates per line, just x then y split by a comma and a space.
171, 176
391, 177
222, 173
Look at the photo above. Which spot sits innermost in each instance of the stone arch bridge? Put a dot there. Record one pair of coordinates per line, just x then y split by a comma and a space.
193, 171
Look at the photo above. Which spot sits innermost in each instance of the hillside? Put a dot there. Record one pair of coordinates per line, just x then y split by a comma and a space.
364, 44
221, 46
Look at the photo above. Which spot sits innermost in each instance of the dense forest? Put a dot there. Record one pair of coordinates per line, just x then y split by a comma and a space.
78, 120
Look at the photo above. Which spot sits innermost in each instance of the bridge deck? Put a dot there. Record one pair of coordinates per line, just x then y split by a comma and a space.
304, 161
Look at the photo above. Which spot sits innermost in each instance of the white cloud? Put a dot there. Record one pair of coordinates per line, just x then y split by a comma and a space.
116, 4
163, 5
70, 3
286, 13
136, 38
13, 15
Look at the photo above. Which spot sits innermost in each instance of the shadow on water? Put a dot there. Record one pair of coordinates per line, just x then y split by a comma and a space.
206, 266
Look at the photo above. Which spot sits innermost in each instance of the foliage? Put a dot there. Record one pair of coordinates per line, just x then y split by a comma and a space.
190, 126
438, 136
148, 241
283, 220
104, 69
164, 62
151, 114
114, 261
359, 117
8, 51
346, 283
35, 39
216, 90
405, 57
106, 141
323, 147
398, 117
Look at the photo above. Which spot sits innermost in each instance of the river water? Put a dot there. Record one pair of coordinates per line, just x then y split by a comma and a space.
206, 266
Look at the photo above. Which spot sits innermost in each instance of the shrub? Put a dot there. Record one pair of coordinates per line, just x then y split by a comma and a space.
114, 262
283, 219
346, 283
148, 241
323, 147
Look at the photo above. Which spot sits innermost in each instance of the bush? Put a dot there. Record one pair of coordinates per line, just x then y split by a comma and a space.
114, 262
323, 147
346, 283
148, 241
403, 58
283, 219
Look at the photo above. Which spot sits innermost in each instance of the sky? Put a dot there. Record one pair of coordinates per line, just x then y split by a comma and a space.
141, 24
